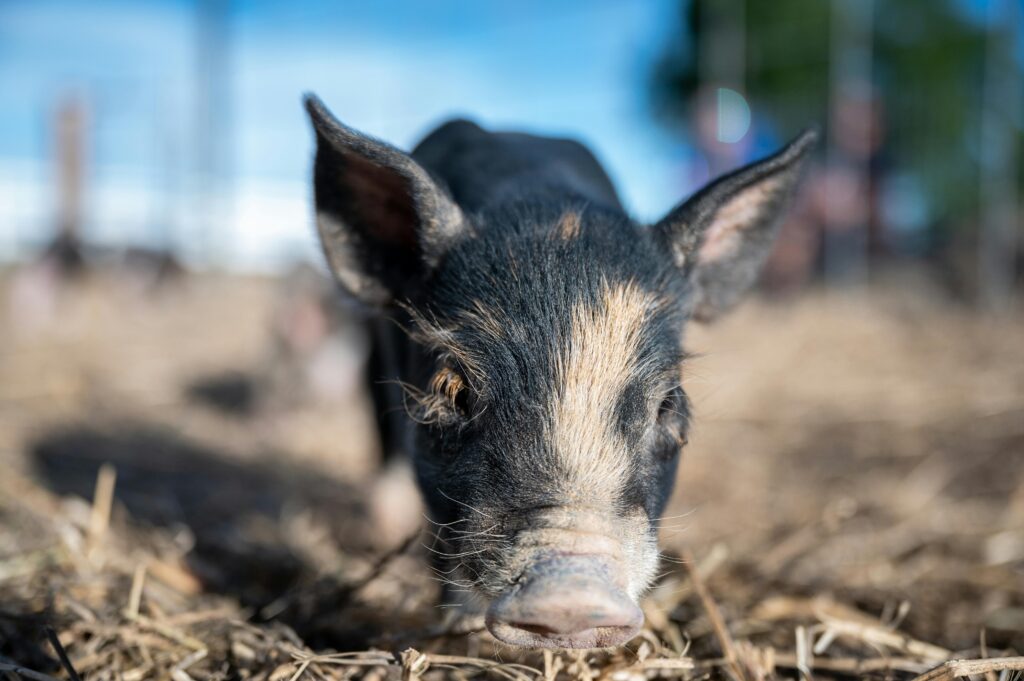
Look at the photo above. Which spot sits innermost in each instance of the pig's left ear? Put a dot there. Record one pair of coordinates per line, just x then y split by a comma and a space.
721, 236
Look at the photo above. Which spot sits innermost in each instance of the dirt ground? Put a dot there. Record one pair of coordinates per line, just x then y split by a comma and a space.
179, 502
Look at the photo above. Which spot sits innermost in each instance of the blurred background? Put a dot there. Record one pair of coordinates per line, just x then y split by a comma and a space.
181, 386
176, 126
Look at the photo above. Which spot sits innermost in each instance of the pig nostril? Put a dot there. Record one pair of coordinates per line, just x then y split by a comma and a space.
533, 635
565, 602
538, 629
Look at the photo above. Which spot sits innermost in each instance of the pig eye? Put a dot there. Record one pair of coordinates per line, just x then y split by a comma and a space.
673, 420
670, 404
452, 390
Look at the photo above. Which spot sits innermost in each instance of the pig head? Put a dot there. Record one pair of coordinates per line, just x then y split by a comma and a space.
537, 337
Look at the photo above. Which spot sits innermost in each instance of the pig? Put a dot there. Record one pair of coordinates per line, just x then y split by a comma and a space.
527, 351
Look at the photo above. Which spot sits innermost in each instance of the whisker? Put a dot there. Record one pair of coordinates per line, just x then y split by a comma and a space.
675, 517
466, 534
663, 574
454, 555
439, 571
454, 522
450, 582
462, 503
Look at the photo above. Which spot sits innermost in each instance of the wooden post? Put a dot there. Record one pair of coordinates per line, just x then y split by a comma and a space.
69, 158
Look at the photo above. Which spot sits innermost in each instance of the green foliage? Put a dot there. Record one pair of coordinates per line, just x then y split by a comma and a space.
928, 62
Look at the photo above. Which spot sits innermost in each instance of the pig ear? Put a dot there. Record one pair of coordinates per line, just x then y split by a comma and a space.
722, 235
383, 222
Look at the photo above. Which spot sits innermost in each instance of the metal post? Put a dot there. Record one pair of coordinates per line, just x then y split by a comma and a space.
212, 190
846, 228
999, 219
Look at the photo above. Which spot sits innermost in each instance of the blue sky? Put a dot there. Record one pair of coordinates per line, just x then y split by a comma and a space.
390, 68
395, 69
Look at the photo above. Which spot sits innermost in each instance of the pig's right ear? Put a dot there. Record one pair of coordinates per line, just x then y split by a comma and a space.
383, 222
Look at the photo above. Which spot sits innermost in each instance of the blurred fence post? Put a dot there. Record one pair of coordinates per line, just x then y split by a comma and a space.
999, 152
722, 45
69, 138
848, 155
721, 64
213, 133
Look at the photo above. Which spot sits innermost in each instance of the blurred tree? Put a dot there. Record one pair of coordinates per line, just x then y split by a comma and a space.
927, 77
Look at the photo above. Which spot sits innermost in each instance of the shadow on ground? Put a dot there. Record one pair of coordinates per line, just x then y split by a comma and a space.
234, 509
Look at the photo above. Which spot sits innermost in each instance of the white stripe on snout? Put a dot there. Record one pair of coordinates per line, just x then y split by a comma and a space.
593, 367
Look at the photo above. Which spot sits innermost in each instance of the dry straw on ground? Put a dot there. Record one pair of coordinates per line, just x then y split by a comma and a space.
851, 506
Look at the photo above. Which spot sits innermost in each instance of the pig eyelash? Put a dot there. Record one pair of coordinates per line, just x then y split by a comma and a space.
448, 399
421, 407
668, 402
672, 418
665, 406
445, 402
450, 387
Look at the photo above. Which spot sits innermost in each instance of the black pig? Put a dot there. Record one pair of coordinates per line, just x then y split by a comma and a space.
538, 347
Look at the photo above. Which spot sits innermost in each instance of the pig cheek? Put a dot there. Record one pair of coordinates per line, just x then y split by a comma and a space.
431, 481
661, 470
437, 473
640, 552
664, 485
487, 561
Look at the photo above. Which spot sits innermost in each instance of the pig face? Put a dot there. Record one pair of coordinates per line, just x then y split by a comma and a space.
552, 420
545, 385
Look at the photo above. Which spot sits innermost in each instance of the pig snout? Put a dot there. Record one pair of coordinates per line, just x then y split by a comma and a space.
565, 602
567, 597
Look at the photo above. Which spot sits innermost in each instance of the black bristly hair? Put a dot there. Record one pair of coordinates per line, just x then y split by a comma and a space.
540, 335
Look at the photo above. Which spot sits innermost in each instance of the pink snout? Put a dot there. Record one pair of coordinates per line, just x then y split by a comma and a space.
565, 602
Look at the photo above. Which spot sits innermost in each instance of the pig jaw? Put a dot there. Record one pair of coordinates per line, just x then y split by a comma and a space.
577, 578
